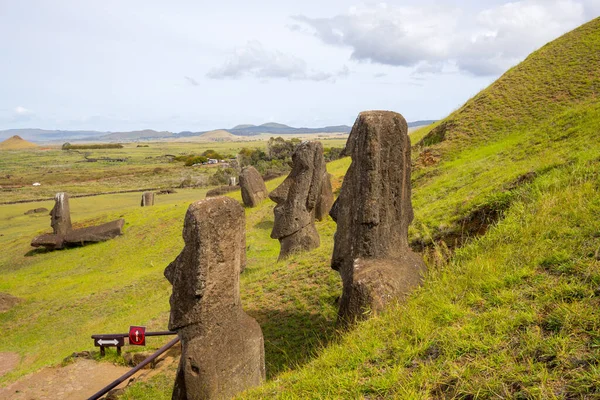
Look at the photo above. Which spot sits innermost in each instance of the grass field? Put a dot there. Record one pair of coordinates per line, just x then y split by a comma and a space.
71, 294
144, 167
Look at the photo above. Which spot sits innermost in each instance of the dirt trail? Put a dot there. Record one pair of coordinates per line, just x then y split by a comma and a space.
78, 380
8, 361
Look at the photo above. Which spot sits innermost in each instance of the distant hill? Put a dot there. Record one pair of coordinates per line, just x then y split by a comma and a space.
421, 123
44, 135
16, 143
219, 135
274, 125
243, 126
281, 129
137, 135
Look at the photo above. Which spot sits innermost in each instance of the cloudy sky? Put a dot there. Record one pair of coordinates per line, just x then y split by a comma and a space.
198, 65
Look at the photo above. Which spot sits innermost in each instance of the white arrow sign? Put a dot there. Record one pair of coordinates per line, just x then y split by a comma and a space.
102, 342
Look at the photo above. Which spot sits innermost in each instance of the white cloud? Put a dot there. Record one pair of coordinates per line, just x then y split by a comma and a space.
428, 39
255, 61
22, 111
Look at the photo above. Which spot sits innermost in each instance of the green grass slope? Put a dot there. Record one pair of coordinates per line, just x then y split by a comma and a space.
513, 313
554, 78
539, 115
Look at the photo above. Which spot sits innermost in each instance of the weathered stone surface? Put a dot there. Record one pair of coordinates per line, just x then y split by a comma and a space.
372, 213
297, 198
253, 187
60, 216
94, 234
326, 199
147, 199
65, 236
222, 347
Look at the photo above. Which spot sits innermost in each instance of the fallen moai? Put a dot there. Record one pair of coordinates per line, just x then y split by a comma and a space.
296, 198
253, 187
372, 213
64, 235
147, 199
222, 347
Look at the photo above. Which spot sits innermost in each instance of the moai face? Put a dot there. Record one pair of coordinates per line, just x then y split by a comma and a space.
298, 194
205, 275
374, 209
60, 215
185, 274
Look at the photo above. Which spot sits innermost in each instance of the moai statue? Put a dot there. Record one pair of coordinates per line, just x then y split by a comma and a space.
372, 213
253, 187
222, 347
326, 199
296, 199
147, 199
60, 215
63, 233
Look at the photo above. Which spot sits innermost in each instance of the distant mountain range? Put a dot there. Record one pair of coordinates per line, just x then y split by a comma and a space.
42, 135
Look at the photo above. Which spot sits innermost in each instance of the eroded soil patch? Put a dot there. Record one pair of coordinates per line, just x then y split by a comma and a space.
8, 361
8, 301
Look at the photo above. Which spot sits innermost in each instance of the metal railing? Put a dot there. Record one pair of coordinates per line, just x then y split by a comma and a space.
141, 365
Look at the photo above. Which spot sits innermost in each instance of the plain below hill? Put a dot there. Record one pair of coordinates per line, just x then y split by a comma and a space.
17, 143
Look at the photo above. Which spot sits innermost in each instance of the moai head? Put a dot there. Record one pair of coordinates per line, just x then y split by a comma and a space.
374, 208
298, 194
60, 215
252, 186
205, 275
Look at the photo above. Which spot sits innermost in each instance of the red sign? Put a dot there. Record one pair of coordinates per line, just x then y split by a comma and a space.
137, 335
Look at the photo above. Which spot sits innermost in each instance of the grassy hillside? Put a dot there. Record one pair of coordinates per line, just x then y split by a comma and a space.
16, 143
219, 135
514, 313
552, 79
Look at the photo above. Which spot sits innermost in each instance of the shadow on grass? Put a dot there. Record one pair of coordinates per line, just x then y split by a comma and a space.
40, 250
292, 338
264, 225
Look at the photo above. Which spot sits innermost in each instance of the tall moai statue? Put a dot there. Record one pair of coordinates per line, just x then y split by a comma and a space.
252, 186
372, 213
222, 347
147, 199
326, 198
297, 198
60, 215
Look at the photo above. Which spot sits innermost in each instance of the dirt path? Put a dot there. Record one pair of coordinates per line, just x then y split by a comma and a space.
78, 380
8, 361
